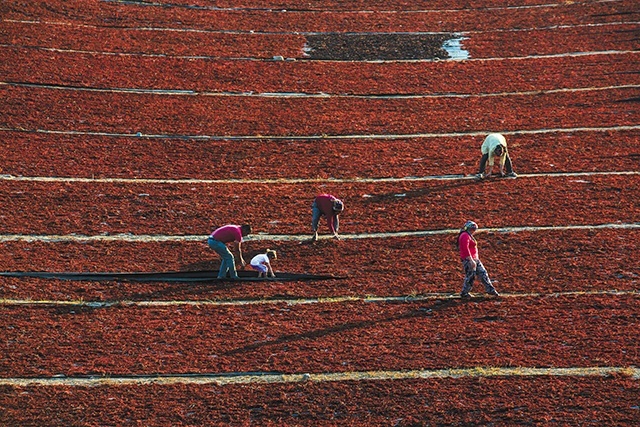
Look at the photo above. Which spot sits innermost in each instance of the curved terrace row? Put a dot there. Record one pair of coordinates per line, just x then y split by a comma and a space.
550, 260
275, 208
129, 14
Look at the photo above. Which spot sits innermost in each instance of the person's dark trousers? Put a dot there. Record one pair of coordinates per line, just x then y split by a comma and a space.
483, 163
508, 167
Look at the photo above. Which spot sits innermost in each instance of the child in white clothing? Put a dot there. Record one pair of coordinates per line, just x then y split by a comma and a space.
262, 263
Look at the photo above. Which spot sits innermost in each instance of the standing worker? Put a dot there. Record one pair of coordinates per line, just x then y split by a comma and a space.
330, 207
471, 261
495, 145
218, 242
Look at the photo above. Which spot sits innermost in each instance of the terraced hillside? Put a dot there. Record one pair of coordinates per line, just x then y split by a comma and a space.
129, 130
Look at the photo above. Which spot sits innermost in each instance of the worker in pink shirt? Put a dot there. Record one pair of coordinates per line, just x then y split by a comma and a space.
218, 242
471, 261
330, 207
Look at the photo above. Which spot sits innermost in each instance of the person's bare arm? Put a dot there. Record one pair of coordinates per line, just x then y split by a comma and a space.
238, 247
270, 270
488, 172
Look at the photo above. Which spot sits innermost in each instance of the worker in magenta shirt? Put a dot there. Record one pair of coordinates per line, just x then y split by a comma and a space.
330, 207
218, 242
473, 267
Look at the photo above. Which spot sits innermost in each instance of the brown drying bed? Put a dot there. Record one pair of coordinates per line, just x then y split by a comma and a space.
330, 46
130, 15
87, 111
85, 156
505, 401
93, 208
352, 5
574, 401
202, 75
551, 41
537, 261
595, 330
152, 41
571, 401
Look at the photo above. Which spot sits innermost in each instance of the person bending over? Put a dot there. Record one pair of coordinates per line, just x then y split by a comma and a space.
262, 263
495, 145
330, 207
218, 242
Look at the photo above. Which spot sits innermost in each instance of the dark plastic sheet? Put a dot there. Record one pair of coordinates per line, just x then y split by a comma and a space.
174, 276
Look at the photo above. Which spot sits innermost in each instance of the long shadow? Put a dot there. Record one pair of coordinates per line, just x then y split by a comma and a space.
193, 288
186, 288
178, 288
208, 286
426, 191
633, 156
319, 333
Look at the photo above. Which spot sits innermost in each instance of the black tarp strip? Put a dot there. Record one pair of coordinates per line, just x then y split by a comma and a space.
174, 276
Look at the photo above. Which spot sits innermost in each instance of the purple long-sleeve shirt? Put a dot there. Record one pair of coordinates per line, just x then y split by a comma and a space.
324, 202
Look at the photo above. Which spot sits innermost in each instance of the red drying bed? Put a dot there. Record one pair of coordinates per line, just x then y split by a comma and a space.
93, 208
127, 113
528, 261
330, 337
87, 156
569, 295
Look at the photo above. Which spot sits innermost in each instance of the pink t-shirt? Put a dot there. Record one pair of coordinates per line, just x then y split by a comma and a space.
468, 246
228, 234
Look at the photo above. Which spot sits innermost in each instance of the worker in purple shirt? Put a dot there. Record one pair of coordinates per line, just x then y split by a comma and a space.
330, 207
218, 242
